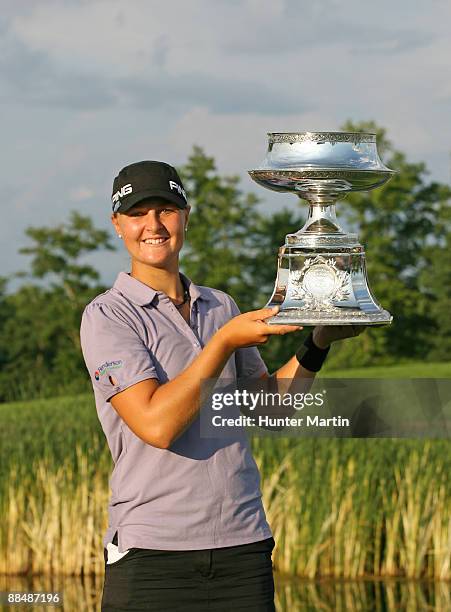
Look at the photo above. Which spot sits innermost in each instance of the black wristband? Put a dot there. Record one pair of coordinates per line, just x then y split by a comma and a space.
310, 356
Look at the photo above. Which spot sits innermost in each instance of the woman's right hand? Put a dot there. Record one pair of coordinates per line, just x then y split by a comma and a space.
250, 329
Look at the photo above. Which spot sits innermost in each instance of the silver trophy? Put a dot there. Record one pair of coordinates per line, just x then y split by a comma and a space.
321, 275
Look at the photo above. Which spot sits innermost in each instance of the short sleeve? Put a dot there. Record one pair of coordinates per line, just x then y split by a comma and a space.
115, 355
248, 361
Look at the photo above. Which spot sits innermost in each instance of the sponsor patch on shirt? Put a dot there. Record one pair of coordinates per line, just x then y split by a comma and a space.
107, 367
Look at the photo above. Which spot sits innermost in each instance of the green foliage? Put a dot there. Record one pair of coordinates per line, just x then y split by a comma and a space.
39, 333
220, 242
405, 227
435, 279
40, 344
398, 224
232, 246
57, 252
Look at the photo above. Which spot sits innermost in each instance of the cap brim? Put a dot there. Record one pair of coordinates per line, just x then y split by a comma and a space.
167, 196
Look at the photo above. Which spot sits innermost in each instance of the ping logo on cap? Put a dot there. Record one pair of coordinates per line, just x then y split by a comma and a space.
177, 187
123, 191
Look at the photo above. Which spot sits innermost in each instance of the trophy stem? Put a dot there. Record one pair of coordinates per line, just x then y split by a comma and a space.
322, 219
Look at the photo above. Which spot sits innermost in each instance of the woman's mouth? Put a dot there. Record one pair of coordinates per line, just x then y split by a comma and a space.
155, 241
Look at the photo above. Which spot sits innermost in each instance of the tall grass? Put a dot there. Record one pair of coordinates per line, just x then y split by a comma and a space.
54, 516
358, 508
338, 508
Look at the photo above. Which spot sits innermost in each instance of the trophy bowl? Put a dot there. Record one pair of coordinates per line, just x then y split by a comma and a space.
321, 276
310, 162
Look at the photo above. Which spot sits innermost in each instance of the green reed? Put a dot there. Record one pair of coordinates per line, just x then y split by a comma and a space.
356, 508
337, 507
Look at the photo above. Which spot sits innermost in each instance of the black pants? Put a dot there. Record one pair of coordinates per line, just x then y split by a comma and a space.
218, 580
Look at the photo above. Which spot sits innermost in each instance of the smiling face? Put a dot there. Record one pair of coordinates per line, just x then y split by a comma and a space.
153, 232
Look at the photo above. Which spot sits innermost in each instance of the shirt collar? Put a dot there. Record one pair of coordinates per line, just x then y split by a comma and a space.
141, 294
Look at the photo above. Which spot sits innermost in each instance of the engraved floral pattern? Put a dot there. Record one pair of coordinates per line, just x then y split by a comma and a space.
303, 239
300, 290
319, 173
320, 137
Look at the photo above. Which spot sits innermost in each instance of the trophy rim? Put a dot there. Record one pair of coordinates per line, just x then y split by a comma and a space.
324, 136
309, 171
324, 132
358, 179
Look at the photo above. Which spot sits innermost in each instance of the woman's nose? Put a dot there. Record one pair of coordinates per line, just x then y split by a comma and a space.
153, 220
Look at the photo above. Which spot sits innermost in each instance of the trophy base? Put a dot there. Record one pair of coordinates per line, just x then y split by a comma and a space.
322, 280
348, 316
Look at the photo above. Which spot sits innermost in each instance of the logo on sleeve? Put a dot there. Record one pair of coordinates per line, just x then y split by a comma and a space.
107, 367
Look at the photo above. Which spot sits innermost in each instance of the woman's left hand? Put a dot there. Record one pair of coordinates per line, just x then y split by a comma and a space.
324, 335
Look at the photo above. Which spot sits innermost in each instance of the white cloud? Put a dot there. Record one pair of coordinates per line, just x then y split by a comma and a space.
142, 37
237, 142
88, 86
79, 194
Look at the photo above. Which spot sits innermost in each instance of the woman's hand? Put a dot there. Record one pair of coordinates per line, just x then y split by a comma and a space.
324, 335
250, 329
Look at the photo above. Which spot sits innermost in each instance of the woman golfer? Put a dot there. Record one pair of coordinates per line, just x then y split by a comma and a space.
187, 530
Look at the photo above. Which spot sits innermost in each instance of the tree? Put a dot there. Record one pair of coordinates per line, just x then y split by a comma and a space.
397, 224
220, 242
57, 253
232, 246
404, 226
39, 337
436, 282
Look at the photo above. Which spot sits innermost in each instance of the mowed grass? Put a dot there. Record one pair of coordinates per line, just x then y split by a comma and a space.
406, 370
338, 507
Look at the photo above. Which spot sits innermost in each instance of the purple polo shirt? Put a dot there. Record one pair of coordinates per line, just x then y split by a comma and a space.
201, 492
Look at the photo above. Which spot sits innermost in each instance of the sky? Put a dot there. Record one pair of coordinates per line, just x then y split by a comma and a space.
88, 86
